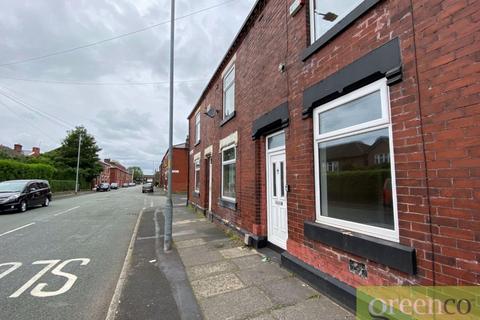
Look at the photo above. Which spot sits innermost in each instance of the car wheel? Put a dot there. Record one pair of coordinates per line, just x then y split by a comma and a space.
46, 202
23, 206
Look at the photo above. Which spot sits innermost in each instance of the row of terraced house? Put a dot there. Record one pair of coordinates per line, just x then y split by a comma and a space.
345, 134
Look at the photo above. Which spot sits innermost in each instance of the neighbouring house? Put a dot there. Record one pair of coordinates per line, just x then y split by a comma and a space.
18, 151
179, 170
113, 172
347, 135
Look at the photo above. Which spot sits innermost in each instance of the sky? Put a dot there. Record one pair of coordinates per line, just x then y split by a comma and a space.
92, 86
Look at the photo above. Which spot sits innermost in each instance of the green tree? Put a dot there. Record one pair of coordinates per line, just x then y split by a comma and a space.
65, 157
137, 173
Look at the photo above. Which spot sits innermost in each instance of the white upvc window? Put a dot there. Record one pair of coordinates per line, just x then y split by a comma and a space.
197, 175
324, 14
229, 159
229, 92
352, 191
197, 128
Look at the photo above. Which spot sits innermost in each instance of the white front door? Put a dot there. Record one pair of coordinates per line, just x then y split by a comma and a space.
277, 198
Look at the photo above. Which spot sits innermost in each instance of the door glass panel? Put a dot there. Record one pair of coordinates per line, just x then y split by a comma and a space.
361, 110
276, 141
274, 177
282, 179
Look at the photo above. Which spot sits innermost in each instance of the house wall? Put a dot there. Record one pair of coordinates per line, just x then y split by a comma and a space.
435, 119
180, 170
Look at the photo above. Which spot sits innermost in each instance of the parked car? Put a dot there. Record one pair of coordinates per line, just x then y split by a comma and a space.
103, 187
125, 185
147, 187
114, 186
132, 184
23, 194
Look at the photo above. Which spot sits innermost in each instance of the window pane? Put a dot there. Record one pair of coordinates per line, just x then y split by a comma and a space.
229, 154
355, 112
282, 179
229, 100
360, 190
274, 177
229, 180
324, 20
276, 141
230, 77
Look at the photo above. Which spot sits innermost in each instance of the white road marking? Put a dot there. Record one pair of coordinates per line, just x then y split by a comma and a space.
71, 278
19, 228
151, 204
62, 212
14, 266
50, 264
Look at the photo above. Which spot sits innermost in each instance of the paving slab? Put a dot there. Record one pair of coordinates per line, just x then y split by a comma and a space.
238, 304
198, 257
201, 271
217, 284
313, 309
262, 273
248, 261
237, 252
190, 243
288, 291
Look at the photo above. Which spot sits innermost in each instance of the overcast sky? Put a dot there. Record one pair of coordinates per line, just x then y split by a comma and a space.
129, 122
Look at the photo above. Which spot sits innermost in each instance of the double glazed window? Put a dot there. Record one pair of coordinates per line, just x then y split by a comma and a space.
324, 14
197, 176
229, 159
353, 170
229, 93
197, 128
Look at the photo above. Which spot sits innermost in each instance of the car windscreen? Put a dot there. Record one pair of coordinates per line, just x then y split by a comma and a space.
147, 185
12, 186
104, 184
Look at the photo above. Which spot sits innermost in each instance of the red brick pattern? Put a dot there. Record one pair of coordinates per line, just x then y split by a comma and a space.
435, 112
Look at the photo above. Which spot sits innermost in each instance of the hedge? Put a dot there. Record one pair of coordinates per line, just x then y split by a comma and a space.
67, 185
12, 170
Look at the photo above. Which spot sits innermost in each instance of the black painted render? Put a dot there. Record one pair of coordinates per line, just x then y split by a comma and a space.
274, 120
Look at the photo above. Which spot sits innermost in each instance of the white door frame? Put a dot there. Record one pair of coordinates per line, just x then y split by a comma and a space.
269, 153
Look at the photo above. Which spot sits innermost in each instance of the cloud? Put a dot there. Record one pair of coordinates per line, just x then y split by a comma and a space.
130, 123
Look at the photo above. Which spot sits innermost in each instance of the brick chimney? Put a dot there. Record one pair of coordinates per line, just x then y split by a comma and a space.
107, 160
17, 148
35, 151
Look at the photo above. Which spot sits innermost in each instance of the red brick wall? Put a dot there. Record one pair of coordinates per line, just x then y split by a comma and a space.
435, 116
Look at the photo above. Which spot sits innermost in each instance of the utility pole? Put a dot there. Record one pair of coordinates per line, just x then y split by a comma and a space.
167, 239
78, 162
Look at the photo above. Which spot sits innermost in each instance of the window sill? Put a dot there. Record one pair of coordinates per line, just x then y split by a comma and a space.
392, 254
197, 143
338, 28
196, 194
230, 117
229, 204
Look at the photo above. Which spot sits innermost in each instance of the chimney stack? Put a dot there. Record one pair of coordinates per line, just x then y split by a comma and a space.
17, 148
35, 151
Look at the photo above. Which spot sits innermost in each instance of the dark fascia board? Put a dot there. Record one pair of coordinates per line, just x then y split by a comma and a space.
384, 61
338, 28
392, 254
338, 291
277, 118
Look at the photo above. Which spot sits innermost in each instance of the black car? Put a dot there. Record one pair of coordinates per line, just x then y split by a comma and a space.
23, 194
103, 187
147, 187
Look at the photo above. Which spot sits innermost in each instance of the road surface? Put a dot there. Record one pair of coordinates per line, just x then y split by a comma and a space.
64, 261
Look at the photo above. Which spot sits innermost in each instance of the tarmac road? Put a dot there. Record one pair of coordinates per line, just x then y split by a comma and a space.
64, 261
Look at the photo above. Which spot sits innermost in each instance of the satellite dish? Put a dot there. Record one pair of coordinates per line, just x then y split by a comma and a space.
211, 112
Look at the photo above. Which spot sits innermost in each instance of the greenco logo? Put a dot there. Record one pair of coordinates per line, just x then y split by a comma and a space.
418, 302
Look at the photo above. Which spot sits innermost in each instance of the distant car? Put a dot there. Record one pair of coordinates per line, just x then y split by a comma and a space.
114, 186
132, 184
103, 187
125, 185
147, 187
23, 194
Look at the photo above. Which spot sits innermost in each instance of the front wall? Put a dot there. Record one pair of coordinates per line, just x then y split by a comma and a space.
260, 87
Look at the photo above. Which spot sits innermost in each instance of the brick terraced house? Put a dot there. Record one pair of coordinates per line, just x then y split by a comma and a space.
179, 171
347, 134
113, 172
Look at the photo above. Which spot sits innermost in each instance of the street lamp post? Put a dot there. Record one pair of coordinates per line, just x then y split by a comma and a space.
78, 162
167, 240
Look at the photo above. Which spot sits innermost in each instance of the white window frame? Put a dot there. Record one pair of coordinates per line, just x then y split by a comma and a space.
197, 128
225, 163
196, 166
383, 123
227, 87
313, 37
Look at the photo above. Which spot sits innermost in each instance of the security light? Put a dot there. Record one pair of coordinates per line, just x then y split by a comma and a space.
329, 16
